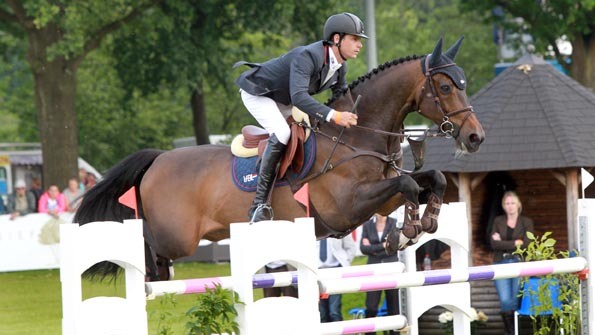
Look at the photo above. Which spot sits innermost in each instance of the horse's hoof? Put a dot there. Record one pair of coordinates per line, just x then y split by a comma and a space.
393, 242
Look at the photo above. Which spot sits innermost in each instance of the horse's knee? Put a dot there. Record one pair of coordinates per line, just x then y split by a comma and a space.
409, 187
439, 179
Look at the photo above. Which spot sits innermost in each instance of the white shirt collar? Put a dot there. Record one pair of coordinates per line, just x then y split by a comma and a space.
334, 65
333, 62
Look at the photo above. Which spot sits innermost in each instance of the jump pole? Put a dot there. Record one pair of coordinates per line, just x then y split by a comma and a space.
436, 277
266, 280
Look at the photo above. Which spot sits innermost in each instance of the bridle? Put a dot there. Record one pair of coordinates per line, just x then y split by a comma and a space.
446, 127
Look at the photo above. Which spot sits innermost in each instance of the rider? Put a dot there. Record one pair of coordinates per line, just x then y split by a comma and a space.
269, 90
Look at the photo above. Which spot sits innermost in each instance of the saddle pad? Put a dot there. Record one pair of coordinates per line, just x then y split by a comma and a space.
245, 175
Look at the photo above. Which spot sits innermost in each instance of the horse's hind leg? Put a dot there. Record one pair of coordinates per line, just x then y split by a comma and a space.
433, 184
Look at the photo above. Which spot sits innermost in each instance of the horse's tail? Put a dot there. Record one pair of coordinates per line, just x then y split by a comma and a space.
100, 203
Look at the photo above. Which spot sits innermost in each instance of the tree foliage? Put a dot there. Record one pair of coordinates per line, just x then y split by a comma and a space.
413, 27
548, 22
134, 90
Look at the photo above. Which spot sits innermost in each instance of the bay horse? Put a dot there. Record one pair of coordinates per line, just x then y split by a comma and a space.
187, 194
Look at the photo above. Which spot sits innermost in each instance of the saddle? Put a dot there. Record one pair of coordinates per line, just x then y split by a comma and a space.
253, 140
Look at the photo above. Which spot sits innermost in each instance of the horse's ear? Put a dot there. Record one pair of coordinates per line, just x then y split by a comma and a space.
454, 49
436, 54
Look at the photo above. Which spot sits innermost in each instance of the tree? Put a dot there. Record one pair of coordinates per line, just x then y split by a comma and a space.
407, 28
60, 35
547, 22
201, 41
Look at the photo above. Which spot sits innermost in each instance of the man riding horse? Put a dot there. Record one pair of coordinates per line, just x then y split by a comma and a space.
269, 90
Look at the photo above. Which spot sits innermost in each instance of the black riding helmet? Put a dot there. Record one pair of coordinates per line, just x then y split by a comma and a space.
344, 23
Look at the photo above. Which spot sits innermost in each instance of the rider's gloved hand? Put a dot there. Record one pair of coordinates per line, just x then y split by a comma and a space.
345, 119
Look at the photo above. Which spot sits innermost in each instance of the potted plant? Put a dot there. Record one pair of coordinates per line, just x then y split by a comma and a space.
554, 299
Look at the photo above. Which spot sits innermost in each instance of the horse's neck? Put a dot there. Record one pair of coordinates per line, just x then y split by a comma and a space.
389, 97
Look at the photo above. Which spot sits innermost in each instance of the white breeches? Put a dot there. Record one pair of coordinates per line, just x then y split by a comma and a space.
270, 114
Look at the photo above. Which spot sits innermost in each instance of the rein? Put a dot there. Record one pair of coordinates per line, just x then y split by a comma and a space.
390, 159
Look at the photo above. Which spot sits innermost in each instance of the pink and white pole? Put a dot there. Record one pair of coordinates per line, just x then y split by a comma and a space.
436, 277
364, 325
278, 279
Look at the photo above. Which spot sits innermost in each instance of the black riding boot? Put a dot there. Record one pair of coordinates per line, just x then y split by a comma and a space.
508, 319
261, 209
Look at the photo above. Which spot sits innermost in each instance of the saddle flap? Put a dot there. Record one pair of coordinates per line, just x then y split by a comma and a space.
294, 153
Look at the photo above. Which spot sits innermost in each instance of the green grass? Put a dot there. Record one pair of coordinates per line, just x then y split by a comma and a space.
31, 301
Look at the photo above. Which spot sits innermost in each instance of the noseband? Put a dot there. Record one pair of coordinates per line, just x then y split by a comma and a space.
446, 127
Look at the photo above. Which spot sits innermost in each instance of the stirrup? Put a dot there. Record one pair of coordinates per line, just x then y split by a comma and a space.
260, 213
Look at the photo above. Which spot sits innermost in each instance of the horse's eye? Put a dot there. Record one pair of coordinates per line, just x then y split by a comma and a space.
445, 89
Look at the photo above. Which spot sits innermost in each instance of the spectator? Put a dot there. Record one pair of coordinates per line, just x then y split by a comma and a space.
91, 181
36, 189
21, 202
334, 253
3, 209
373, 245
82, 179
52, 202
509, 231
73, 195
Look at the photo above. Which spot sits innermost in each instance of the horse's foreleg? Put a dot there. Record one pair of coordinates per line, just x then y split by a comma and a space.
433, 183
409, 188
383, 196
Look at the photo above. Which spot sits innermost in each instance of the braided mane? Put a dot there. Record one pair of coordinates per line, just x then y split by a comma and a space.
380, 68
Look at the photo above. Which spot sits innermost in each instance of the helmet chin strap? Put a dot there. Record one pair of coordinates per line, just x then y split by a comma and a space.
338, 45
340, 53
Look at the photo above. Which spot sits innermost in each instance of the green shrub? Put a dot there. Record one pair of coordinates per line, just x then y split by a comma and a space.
214, 313
566, 317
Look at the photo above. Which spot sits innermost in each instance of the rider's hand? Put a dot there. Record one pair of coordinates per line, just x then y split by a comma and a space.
345, 119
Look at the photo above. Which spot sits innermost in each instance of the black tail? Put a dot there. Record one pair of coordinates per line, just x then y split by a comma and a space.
100, 203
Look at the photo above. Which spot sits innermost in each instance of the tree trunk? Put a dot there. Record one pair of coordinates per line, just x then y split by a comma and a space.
55, 96
583, 60
199, 114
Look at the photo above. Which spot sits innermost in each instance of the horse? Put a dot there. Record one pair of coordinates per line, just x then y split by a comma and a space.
186, 194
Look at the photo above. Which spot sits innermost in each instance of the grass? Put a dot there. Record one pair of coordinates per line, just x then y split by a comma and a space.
31, 301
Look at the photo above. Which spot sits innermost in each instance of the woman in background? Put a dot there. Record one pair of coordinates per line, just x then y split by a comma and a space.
509, 231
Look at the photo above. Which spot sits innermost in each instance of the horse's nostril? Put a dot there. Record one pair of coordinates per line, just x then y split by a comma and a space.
475, 139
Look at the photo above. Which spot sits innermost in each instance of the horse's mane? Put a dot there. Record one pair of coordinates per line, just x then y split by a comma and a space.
339, 93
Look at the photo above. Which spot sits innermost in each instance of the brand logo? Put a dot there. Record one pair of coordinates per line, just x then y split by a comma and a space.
250, 177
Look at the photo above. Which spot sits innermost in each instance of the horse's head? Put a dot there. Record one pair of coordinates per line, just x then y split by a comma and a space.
443, 98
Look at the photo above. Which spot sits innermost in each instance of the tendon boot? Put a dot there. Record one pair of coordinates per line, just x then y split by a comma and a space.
261, 209
508, 319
